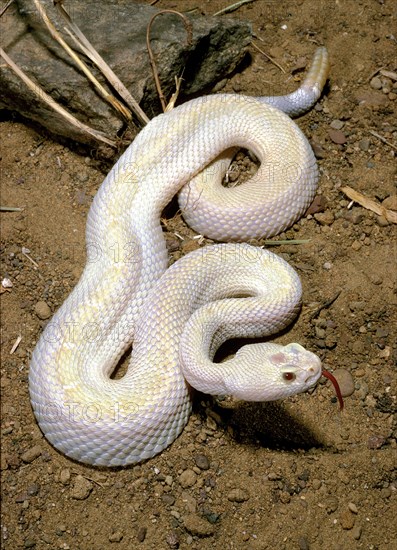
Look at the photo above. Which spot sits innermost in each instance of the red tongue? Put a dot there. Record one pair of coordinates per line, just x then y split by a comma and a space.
336, 386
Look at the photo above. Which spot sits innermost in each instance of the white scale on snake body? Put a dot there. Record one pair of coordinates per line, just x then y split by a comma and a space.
177, 318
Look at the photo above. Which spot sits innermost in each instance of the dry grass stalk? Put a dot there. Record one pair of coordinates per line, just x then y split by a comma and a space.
80, 39
104, 93
268, 57
189, 31
370, 204
41, 94
233, 7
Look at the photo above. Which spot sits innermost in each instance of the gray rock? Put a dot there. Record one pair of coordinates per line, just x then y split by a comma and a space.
117, 29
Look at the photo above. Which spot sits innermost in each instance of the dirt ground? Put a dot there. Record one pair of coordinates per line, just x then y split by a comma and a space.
295, 474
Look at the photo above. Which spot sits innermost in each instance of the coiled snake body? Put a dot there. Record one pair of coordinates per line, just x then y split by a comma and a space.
177, 318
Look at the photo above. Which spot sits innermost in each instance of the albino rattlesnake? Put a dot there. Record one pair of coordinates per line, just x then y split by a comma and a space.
177, 318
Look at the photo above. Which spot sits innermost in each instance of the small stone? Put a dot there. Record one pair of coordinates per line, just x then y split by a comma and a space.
318, 150
285, 497
3, 463
202, 462
42, 310
172, 540
318, 205
347, 519
386, 492
29, 543
332, 504
356, 532
117, 536
316, 484
337, 136
82, 488
337, 124
390, 202
352, 507
187, 478
376, 83
141, 534
168, 499
325, 218
31, 454
354, 216
375, 442
303, 543
382, 221
64, 476
238, 495
364, 144
345, 381
33, 489
198, 526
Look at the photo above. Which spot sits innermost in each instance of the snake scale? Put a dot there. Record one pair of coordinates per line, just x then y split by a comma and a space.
177, 318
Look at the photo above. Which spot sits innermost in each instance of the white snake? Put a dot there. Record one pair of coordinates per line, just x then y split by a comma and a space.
177, 318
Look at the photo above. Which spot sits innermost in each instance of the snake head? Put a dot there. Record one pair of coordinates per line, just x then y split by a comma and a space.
268, 372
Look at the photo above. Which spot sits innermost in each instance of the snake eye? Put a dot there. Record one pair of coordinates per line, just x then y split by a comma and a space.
289, 376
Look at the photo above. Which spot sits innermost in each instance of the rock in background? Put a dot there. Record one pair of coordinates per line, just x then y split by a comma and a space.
117, 29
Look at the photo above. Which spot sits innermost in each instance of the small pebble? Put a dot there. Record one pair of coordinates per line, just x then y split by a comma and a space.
337, 124
352, 507
325, 218
64, 476
364, 144
337, 136
31, 454
356, 532
42, 310
376, 83
375, 442
238, 495
303, 543
318, 150
386, 492
172, 540
345, 381
33, 489
197, 526
141, 534
202, 462
347, 519
390, 202
187, 478
318, 205
331, 504
117, 536
82, 488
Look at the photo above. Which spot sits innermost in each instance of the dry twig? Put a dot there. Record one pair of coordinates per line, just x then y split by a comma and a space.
40, 93
383, 139
268, 57
104, 93
232, 7
370, 204
88, 49
189, 32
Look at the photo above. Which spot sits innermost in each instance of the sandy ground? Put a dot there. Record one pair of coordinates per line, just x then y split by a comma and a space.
293, 475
